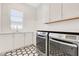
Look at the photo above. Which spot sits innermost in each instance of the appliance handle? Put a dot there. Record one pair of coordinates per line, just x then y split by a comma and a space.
41, 37
68, 44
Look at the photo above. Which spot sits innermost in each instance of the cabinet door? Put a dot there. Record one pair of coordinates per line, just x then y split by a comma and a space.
18, 40
0, 17
34, 38
55, 11
70, 10
6, 42
43, 12
28, 38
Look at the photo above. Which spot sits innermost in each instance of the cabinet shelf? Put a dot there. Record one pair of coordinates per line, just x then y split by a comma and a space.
67, 19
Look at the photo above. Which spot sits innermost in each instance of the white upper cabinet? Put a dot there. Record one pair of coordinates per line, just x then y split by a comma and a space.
43, 12
55, 11
70, 10
0, 17
49, 12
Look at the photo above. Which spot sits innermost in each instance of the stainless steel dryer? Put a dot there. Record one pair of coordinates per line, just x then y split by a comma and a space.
60, 46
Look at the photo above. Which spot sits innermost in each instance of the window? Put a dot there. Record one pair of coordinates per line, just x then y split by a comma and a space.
16, 18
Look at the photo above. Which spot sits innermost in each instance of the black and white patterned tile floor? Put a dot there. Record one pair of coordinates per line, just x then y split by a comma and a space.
24, 51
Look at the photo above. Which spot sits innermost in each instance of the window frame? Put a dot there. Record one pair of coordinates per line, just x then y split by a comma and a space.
17, 15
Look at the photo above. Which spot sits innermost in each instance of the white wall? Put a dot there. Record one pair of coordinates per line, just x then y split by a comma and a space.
71, 25
10, 40
29, 17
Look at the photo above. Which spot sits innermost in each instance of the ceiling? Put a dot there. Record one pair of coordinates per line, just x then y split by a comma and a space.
34, 4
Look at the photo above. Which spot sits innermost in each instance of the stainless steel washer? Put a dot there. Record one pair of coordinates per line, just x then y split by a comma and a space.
41, 42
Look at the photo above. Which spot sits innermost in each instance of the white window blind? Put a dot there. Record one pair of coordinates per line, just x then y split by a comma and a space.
16, 18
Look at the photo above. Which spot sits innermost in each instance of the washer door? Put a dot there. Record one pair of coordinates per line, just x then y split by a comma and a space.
41, 44
62, 48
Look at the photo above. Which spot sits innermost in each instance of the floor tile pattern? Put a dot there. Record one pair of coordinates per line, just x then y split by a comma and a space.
24, 51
